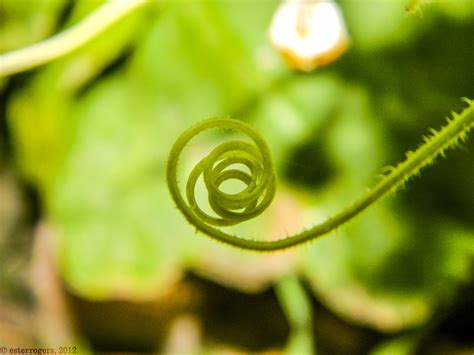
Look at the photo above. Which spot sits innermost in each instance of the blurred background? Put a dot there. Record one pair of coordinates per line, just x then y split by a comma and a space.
93, 253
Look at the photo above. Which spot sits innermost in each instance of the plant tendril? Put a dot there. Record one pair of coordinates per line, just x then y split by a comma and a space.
231, 209
260, 190
67, 41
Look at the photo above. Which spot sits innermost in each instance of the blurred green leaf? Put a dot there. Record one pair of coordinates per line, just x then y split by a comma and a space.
24, 22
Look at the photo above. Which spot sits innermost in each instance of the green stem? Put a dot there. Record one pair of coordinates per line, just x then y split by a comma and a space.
433, 146
296, 305
65, 42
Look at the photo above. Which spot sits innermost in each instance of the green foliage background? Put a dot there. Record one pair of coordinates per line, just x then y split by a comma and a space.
92, 132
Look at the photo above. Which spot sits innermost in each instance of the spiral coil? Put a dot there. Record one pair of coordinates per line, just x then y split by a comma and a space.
220, 166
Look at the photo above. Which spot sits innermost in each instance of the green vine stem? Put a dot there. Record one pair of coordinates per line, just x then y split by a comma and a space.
260, 181
65, 42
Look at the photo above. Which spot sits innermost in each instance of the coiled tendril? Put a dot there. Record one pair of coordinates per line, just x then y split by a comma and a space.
260, 181
216, 168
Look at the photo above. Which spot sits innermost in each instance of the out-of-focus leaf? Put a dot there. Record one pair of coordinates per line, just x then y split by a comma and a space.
109, 201
342, 270
378, 24
39, 115
24, 22
461, 10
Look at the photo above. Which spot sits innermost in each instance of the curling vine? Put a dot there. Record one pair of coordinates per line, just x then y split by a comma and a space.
230, 209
